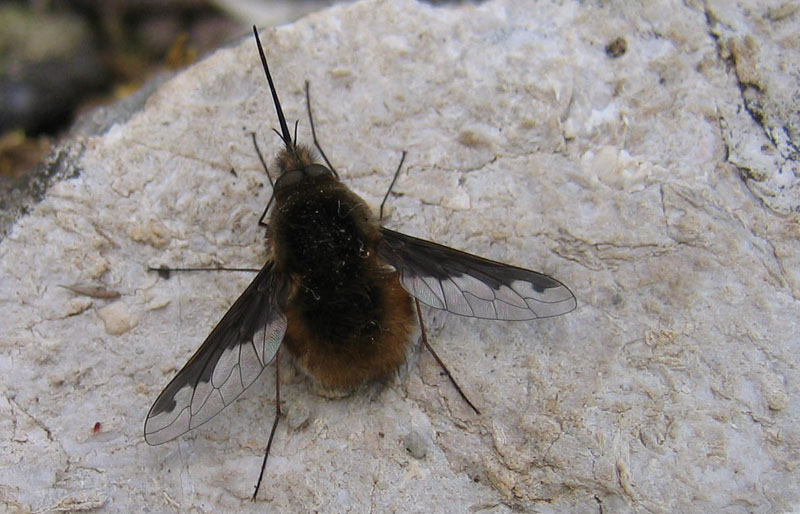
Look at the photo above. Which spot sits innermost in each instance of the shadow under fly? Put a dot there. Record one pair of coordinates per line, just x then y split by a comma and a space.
340, 293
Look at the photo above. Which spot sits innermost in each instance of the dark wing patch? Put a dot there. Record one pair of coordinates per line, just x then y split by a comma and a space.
468, 285
228, 361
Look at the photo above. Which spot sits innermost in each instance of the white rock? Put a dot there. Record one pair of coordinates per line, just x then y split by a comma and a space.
117, 318
670, 389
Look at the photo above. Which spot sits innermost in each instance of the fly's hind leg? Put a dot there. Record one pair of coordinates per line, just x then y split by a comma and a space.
439, 361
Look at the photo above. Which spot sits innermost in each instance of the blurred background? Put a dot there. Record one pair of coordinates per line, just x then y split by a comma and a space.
60, 58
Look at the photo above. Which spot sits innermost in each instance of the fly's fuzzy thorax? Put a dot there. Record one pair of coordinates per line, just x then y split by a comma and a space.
319, 222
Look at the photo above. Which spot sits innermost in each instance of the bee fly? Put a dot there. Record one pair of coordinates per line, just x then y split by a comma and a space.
340, 293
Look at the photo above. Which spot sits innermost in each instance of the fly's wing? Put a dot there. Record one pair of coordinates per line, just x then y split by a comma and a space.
229, 360
468, 285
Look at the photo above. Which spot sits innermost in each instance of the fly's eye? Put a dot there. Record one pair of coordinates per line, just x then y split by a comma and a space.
289, 178
317, 170
294, 177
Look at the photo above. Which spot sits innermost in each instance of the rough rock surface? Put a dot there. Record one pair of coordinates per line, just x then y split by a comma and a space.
657, 182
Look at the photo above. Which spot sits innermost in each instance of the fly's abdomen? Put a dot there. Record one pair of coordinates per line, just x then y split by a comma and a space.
354, 339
